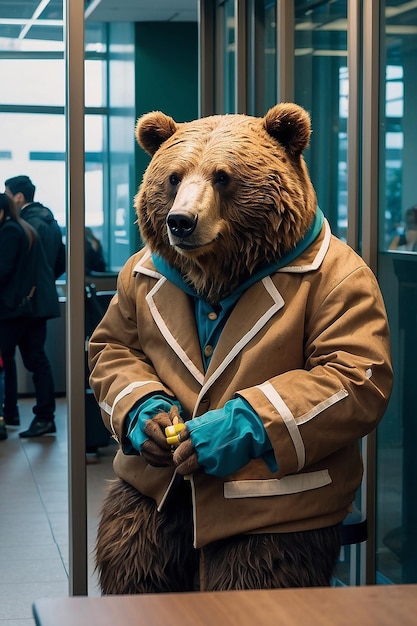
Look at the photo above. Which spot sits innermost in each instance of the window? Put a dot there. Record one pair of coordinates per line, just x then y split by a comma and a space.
32, 118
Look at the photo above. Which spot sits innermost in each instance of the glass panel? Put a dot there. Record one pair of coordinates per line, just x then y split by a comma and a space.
95, 155
396, 557
229, 37
321, 68
263, 56
40, 149
321, 87
95, 86
121, 229
39, 152
26, 82
32, 68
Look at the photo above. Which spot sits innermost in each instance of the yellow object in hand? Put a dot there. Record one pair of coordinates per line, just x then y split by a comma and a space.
171, 433
174, 429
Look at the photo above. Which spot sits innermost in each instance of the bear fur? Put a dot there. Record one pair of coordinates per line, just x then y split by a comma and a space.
223, 198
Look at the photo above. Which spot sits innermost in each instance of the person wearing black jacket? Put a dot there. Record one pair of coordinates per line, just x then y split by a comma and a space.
22, 190
31, 337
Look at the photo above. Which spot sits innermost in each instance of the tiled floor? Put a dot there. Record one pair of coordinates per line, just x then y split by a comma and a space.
34, 516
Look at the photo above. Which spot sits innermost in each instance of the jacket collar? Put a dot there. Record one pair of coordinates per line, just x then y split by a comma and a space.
308, 261
174, 276
312, 258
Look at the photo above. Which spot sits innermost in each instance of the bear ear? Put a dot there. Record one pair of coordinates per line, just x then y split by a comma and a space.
290, 124
152, 129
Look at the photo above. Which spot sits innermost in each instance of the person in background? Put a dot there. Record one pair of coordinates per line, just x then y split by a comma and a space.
31, 338
407, 240
3, 429
94, 258
22, 190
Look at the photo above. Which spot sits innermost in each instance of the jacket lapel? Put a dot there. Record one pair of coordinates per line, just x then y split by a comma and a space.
252, 311
173, 313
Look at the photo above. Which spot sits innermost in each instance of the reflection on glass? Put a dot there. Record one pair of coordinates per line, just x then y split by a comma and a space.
396, 556
393, 142
406, 239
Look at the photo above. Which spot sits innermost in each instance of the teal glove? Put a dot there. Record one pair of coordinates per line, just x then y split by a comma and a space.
227, 439
137, 418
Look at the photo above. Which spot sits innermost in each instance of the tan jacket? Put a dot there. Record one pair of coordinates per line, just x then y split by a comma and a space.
307, 347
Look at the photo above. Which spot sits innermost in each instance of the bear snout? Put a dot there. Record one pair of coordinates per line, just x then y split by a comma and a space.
181, 225
193, 222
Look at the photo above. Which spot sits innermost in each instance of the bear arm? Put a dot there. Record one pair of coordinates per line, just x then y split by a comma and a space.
115, 340
341, 394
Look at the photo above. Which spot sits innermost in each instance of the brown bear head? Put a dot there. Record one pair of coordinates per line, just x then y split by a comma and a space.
224, 195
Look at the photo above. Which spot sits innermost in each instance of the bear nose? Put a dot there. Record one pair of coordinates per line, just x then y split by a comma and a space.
181, 225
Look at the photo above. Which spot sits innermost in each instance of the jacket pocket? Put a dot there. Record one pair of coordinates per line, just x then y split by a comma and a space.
295, 483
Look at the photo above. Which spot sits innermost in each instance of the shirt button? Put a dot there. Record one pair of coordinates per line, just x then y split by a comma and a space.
208, 350
212, 316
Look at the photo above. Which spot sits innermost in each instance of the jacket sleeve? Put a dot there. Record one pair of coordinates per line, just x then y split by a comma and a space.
342, 392
51, 237
115, 340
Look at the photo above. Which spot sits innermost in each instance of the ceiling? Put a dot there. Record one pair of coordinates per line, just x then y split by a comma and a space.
142, 10
20, 19
43, 19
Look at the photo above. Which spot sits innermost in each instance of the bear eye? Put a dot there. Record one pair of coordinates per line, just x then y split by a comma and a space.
221, 178
174, 180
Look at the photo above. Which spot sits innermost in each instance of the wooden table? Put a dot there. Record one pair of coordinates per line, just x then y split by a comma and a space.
338, 606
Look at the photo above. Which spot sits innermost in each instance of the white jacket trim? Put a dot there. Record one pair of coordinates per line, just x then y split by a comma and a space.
122, 394
159, 321
277, 305
319, 256
288, 419
144, 270
322, 406
294, 483
162, 502
106, 407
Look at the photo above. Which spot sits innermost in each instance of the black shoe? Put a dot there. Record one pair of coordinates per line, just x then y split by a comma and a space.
12, 420
3, 429
39, 427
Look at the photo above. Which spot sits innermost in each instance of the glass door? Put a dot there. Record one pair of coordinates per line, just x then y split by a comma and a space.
396, 556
